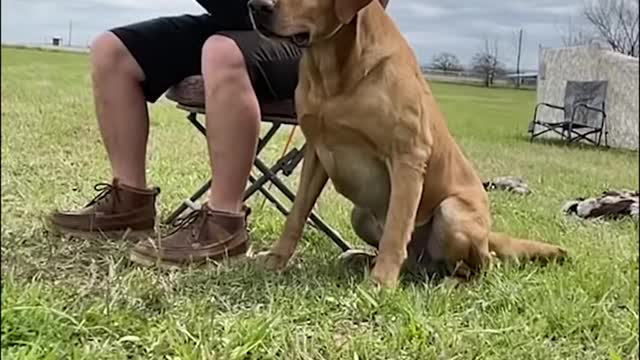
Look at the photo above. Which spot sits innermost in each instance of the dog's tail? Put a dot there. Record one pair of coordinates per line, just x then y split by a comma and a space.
506, 247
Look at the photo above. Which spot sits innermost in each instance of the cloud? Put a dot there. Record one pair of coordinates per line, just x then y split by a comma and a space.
430, 26
461, 27
414, 8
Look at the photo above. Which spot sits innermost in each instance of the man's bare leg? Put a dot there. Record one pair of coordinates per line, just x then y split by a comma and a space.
124, 125
121, 108
233, 121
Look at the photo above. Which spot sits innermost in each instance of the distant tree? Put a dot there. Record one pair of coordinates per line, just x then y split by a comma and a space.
575, 35
445, 61
616, 23
487, 63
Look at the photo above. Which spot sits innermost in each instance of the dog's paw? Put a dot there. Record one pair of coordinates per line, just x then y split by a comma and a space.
272, 261
384, 278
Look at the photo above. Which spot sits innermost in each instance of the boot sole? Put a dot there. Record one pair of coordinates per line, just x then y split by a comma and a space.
150, 261
128, 234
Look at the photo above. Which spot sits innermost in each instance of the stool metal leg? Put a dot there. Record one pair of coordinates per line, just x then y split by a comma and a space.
186, 204
286, 165
322, 226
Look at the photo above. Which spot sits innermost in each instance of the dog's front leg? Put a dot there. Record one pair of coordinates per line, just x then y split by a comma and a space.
313, 178
407, 179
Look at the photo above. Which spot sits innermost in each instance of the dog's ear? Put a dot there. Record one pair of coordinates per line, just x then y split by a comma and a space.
346, 10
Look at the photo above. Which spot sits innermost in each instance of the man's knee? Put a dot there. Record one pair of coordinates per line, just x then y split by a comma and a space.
110, 56
222, 58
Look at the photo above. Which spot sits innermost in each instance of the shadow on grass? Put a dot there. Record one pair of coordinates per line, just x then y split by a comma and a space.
100, 269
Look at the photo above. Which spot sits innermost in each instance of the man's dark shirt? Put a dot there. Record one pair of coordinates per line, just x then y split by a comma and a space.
228, 14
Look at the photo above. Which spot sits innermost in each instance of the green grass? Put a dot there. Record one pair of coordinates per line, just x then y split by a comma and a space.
74, 298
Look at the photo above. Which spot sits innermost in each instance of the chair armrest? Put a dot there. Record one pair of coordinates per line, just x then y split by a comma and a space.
552, 106
590, 108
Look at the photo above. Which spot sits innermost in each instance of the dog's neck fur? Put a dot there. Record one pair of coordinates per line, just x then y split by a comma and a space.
359, 37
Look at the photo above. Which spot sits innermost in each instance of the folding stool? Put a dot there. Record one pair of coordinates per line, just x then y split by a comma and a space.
189, 96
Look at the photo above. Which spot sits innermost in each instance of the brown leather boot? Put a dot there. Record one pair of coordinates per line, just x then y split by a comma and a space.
115, 210
201, 236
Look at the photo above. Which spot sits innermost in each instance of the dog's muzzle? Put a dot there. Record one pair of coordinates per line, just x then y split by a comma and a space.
261, 13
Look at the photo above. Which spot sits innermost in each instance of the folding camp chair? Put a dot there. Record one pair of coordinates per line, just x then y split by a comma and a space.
189, 96
584, 113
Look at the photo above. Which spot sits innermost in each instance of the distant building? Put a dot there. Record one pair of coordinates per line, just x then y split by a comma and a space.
525, 78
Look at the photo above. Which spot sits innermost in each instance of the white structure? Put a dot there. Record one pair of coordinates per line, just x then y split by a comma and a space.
557, 66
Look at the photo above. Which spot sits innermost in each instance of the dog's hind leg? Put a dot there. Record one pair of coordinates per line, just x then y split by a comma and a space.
459, 238
366, 226
369, 229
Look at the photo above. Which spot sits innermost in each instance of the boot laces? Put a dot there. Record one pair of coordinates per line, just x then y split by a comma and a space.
186, 221
104, 190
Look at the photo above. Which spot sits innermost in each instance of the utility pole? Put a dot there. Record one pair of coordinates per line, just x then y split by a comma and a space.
70, 31
518, 58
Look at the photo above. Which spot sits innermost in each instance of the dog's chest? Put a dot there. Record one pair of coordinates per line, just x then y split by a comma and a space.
355, 174
344, 152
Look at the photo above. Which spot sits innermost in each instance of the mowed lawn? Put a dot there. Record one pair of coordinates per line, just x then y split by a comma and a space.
75, 298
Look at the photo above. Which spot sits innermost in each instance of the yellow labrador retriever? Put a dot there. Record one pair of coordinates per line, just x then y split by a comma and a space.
373, 127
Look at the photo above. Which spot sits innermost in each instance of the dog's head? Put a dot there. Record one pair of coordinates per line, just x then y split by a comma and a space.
304, 21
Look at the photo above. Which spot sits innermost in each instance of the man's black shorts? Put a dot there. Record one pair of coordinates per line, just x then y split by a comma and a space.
168, 49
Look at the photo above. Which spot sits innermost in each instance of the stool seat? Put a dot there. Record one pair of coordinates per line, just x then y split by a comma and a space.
189, 94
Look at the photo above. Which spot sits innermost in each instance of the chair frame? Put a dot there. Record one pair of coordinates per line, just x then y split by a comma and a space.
569, 129
285, 165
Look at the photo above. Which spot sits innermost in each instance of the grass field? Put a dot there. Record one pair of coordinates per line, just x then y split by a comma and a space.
74, 298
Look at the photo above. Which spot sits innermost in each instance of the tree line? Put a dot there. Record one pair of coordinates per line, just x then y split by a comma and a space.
485, 62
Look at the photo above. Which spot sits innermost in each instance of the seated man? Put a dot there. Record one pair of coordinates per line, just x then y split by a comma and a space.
135, 64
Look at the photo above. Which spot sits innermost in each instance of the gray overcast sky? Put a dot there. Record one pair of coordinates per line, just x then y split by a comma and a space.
431, 26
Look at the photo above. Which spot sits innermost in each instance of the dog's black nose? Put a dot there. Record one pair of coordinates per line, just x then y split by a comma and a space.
261, 6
